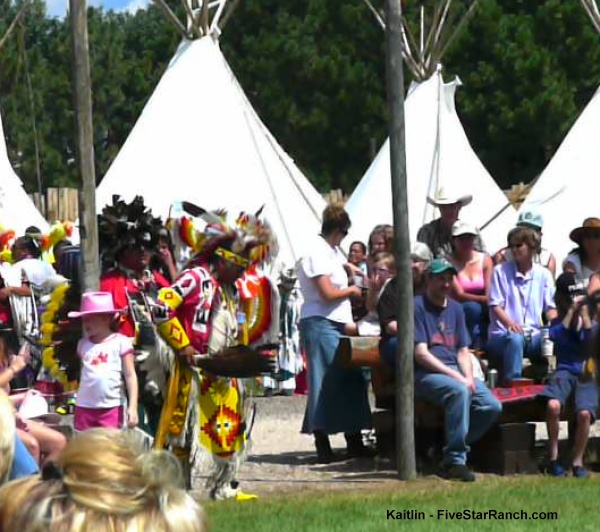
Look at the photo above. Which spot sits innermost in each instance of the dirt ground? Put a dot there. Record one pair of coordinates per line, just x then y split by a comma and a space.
282, 459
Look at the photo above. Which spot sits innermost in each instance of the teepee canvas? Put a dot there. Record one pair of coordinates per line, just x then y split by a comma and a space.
438, 157
17, 211
199, 139
567, 190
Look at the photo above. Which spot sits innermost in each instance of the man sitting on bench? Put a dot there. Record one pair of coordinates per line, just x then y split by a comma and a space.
444, 372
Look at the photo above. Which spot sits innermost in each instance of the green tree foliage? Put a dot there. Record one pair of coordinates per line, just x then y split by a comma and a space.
315, 72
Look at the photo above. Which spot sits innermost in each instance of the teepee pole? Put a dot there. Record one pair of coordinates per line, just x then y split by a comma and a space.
438, 33
593, 12
232, 7
376, 14
435, 20
20, 14
204, 17
191, 19
467, 16
215, 21
408, 46
422, 36
172, 18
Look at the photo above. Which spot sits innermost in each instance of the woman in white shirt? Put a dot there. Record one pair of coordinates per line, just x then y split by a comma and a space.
337, 397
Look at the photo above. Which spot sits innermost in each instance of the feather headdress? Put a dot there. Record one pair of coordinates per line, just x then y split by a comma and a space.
126, 225
248, 241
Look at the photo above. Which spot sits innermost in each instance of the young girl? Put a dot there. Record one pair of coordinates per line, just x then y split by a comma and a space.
106, 358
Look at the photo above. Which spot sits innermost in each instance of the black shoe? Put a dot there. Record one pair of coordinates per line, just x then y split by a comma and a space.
457, 472
324, 453
356, 448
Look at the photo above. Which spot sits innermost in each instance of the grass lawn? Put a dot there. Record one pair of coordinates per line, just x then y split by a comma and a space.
577, 503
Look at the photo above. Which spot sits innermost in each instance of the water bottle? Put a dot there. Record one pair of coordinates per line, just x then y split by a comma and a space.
548, 349
492, 378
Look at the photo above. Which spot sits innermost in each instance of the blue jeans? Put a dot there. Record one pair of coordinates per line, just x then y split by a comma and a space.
23, 463
506, 353
475, 314
337, 396
467, 416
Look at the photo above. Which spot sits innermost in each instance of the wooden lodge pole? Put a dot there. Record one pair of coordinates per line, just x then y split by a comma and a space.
85, 144
405, 413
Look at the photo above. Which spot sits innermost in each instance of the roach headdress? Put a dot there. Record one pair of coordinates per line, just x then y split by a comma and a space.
126, 225
248, 241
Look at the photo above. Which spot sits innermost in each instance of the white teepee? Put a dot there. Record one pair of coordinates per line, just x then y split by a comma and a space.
568, 189
199, 139
17, 211
439, 157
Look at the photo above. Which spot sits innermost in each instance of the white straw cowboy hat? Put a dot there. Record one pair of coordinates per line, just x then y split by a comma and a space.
443, 197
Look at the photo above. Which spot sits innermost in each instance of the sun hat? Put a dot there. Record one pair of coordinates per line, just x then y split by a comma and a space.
35, 406
460, 228
530, 218
590, 225
439, 266
95, 303
421, 252
443, 197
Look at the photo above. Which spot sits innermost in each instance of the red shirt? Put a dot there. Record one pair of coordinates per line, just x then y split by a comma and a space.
116, 282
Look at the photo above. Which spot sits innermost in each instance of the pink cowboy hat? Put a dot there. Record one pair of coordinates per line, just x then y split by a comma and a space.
96, 303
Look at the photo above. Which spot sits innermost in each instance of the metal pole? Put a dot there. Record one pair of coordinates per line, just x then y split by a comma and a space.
85, 144
405, 428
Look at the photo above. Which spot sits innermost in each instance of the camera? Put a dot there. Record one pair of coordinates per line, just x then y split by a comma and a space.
591, 300
576, 290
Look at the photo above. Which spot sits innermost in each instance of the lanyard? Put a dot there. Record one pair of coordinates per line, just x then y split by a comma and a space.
525, 302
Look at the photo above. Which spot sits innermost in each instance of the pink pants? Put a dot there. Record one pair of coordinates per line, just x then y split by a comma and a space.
89, 418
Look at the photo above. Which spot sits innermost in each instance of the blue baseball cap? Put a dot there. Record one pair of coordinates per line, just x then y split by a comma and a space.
439, 266
530, 218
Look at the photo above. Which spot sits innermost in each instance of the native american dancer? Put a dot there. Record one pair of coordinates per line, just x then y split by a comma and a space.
205, 418
128, 235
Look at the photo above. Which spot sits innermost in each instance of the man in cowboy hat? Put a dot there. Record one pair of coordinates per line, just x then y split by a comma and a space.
437, 234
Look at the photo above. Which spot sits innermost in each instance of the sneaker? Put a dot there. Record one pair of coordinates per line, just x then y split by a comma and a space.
555, 469
457, 472
579, 472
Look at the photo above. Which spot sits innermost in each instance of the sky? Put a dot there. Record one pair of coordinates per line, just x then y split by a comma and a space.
58, 8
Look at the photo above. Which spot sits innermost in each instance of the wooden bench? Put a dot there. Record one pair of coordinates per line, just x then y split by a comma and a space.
508, 447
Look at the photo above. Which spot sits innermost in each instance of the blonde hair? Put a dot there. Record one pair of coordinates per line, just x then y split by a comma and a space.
7, 436
386, 259
104, 482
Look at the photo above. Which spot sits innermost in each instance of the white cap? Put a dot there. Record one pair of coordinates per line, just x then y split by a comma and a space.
421, 252
463, 228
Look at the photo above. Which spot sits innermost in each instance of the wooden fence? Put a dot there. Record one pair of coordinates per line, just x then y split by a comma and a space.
58, 204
